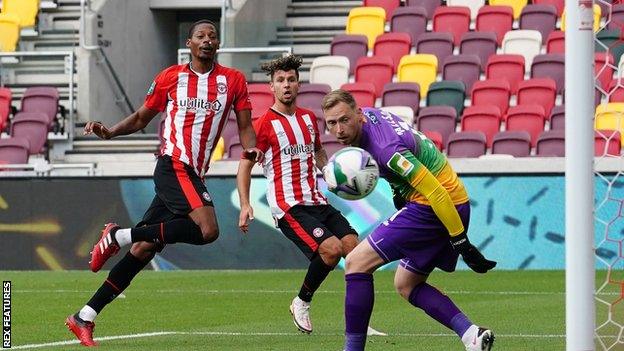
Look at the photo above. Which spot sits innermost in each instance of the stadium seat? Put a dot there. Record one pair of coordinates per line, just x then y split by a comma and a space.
401, 94
428, 5
362, 92
393, 45
473, 5
5, 106
540, 91
551, 143
14, 151
516, 5
32, 126
605, 7
404, 112
597, 14
610, 40
482, 44
615, 91
529, 118
377, 70
419, 68
497, 19
330, 144
550, 66
558, 4
369, 21
610, 116
310, 95
411, 20
438, 44
557, 118
230, 134
320, 120
435, 137
604, 65
452, 19
25, 10
465, 68
9, 32
542, 18
42, 99
235, 148
330, 70
607, 143
485, 118
527, 43
508, 67
352, 46
466, 144
514, 143
261, 98
447, 93
388, 5
440, 119
617, 17
494, 92
555, 44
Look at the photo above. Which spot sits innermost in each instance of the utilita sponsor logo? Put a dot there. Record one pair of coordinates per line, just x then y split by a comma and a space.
6, 314
298, 149
193, 103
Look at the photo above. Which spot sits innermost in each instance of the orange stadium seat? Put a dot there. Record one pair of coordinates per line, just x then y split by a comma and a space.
375, 69
362, 92
419, 68
516, 5
369, 21
26, 10
506, 66
491, 92
9, 32
452, 19
393, 45
497, 19
529, 118
485, 118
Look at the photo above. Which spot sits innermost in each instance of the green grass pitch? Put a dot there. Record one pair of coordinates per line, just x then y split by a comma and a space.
248, 310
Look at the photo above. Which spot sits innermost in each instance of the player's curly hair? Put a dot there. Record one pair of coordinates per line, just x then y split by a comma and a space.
285, 63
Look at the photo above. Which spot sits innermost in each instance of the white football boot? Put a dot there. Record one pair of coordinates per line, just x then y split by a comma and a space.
478, 339
300, 310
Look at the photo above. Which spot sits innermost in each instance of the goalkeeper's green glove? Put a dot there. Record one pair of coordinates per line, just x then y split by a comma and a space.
473, 258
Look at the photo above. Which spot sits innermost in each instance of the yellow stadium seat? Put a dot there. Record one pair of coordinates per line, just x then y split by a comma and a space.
9, 32
597, 14
369, 21
516, 5
219, 150
419, 68
26, 10
610, 116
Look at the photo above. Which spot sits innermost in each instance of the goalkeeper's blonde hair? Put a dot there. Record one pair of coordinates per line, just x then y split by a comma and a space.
333, 98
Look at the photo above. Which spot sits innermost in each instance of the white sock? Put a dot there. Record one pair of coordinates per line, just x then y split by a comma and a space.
87, 314
123, 237
470, 334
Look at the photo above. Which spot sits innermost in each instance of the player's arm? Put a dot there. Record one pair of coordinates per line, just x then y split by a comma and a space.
132, 123
320, 157
243, 184
247, 136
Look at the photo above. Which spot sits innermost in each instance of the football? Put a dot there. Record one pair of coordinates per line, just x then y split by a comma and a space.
351, 173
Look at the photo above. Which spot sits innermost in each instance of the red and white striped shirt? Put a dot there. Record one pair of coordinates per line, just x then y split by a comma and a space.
289, 143
197, 106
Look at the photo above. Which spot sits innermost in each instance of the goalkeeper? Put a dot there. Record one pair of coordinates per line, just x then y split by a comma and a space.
428, 230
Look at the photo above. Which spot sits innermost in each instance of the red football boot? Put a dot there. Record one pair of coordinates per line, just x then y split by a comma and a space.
105, 248
82, 329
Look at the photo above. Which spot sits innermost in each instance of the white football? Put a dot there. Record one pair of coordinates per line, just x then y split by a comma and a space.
351, 173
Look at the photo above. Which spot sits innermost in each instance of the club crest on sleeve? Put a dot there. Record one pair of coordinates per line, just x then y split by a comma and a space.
206, 196
318, 232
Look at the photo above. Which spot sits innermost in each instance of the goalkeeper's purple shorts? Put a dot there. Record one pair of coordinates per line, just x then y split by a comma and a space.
418, 238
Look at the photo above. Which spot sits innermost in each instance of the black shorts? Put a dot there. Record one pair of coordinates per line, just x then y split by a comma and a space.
309, 226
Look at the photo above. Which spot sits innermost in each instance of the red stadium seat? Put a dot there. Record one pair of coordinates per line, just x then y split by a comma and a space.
506, 66
411, 20
14, 150
393, 45
401, 94
497, 19
550, 66
466, 144
617, 17
388, 5
41, 99
491, 92
603, 68
330, 144
558, 4
428, 5
376, 70
514, 143
551, 143
32, 126
529, 118
555, 43
607, 143
540, 91
435, 137
363, 93
352, 46
452, 19
486, 119
261, 98
5, 106
439, 119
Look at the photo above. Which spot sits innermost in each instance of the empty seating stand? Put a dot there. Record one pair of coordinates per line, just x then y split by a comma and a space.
438, 44
465, 68
393, 45
310, 95
447, 93
497, 19
331, 70
367, 20
466, 144
401, 94
352, 46
5, 107
551, 143
494, 92
411, 20
362, 92
440, 119
32, 126
509, 67
541, 18
515, 143
25, 10
550, 66
261, 98
419, 68
14, 151
429, 5
486, 119
42, 99
9, 32
377, 70
607, 143
482, 44
452, 19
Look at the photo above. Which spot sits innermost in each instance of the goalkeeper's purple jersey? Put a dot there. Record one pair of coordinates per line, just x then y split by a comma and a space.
384, 135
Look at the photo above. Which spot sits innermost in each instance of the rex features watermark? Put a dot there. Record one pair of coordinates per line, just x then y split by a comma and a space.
6, 314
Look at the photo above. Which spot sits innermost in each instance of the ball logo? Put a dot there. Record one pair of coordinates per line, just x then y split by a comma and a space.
318, 232
221, 88
206, 196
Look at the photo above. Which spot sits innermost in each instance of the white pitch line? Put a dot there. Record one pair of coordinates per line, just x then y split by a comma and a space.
218, 333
